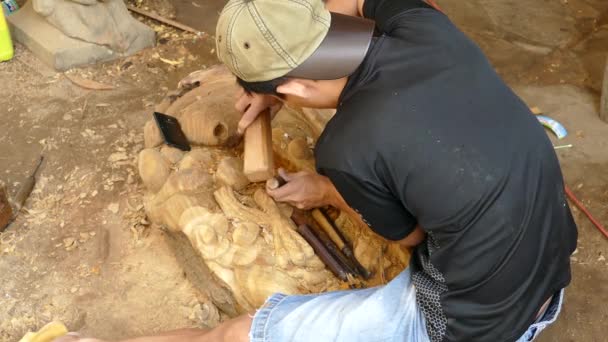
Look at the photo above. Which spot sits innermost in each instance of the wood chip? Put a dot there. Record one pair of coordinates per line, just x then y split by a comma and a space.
113, 207
118, 156
68, 242
172, 62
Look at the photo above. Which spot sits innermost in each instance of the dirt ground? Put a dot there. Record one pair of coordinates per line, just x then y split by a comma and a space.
82, 251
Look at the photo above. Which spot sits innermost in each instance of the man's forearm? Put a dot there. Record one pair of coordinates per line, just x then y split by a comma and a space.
415, 238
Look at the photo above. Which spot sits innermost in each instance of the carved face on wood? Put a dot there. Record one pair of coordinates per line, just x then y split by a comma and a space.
245, 238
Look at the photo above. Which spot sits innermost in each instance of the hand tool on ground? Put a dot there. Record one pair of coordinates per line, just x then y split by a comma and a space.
258, 160
338, 238
26, 188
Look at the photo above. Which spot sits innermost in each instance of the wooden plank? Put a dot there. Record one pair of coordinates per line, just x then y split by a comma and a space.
258, 164
6, 212
604, 100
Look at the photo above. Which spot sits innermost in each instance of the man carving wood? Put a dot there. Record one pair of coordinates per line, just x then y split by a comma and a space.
428, 146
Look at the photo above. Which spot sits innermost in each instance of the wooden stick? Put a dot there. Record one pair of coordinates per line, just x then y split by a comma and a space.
258, 164
336, 236
324, 223
164, 20
322, 252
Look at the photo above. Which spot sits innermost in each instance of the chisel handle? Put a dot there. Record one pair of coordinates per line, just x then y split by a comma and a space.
322, 252
328, 228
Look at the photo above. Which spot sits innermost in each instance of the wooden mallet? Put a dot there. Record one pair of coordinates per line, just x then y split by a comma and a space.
258, 163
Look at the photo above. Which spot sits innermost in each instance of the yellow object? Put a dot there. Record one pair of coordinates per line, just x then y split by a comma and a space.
47, 334
6, 45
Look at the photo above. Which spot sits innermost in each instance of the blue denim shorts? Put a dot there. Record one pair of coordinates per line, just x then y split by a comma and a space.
384, 313
546, 319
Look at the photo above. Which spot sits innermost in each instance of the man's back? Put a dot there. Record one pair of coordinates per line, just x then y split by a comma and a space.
428, 134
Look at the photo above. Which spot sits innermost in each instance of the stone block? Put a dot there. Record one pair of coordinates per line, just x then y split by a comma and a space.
58, 50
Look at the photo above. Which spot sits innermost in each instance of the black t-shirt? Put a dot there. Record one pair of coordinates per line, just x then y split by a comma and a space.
427, 134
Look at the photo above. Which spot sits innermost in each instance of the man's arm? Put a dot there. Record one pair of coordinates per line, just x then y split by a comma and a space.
234, 330
412, 240
307, 190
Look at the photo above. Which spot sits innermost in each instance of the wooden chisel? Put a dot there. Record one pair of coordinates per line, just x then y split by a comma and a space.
300, 218
338, 238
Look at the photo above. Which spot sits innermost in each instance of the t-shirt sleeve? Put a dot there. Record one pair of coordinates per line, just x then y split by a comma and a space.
381, 211
388, 13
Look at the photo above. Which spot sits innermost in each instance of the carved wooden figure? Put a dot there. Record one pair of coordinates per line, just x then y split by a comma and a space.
246, 239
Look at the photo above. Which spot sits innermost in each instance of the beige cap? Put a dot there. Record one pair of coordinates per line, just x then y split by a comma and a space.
260, 40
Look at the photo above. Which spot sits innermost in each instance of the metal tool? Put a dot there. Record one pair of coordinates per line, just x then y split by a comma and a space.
336, 242
338, 238
320, 249
275, 182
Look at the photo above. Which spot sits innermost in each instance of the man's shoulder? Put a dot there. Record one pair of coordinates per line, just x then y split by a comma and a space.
346, 139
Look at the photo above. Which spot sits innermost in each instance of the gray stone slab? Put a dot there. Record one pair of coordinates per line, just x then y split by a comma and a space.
52, 46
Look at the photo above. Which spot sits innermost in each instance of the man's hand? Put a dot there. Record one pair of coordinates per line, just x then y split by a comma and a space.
305, 190
251, 105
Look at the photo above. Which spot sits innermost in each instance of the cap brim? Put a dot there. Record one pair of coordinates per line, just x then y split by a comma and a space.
341, 52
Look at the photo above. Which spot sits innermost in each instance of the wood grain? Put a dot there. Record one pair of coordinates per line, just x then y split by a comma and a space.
258, 164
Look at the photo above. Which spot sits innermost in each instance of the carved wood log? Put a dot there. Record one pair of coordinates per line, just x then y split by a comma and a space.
230, 173
201, 276
153, 169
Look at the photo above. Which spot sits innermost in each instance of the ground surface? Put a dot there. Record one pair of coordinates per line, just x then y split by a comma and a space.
82, 251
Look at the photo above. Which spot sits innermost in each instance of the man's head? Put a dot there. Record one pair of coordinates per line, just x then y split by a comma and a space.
289, 47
